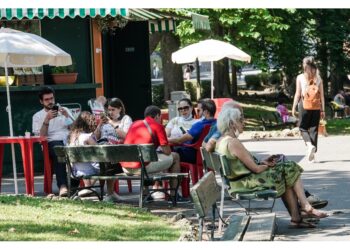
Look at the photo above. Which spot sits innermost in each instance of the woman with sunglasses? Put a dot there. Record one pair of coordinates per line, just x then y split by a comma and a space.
180, 124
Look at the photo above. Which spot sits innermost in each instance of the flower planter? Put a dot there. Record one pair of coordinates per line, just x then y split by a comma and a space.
64, 78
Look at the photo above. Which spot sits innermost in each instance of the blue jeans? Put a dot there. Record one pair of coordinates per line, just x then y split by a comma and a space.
59, 168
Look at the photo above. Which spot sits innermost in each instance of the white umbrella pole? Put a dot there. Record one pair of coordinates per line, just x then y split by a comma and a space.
11, 128
212, 79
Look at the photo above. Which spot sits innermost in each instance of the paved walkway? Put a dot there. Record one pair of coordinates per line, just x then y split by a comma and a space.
328, 178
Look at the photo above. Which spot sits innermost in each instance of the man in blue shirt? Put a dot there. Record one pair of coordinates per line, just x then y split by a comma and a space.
207, 108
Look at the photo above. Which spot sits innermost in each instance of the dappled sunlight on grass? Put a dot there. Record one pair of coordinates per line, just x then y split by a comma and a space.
24, 218
338, 126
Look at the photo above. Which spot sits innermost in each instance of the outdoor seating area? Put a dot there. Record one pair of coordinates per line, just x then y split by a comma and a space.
175, 124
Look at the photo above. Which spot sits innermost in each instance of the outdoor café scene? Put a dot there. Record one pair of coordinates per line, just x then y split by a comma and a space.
131, 124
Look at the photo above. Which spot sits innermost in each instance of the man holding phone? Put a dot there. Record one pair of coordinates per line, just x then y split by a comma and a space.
52, 122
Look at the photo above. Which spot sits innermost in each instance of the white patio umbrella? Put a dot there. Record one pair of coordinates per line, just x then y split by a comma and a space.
209, 51
20, 49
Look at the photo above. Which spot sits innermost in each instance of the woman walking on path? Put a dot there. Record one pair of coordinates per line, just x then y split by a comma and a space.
309, 97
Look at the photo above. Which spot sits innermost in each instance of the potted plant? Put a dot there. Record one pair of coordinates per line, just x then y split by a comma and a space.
64, 74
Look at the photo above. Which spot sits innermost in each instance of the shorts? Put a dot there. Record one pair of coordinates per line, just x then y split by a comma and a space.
164, 162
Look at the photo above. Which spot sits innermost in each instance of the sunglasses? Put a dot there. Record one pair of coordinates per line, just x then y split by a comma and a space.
183, 108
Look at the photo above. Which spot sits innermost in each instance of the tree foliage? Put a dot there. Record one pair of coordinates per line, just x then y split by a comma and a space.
278, 38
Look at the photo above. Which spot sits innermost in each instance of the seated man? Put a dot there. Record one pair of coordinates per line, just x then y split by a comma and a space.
53, 123
339, 99
150, 130
207, 109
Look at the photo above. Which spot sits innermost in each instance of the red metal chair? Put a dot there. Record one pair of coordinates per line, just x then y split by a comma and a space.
218, 103
195, 169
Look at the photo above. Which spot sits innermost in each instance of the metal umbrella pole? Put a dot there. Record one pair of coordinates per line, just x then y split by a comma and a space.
11, 127
212, 80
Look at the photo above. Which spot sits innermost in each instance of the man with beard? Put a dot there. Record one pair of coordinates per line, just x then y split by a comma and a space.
53, 121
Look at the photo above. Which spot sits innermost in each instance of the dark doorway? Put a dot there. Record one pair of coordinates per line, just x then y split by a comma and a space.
127, 67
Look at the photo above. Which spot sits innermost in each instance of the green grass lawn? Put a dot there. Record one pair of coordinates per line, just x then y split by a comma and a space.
338, 126
40, 219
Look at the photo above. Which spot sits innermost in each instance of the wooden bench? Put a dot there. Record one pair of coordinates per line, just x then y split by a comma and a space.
336, 112
106, 154
273, 120
239, 228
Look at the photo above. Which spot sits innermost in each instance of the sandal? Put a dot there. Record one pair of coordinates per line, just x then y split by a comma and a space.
301, 224
315, 213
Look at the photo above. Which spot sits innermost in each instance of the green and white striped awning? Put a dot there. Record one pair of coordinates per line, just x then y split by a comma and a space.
156, 22
40, 13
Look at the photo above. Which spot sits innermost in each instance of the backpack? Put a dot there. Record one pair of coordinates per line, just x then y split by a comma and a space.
312, 97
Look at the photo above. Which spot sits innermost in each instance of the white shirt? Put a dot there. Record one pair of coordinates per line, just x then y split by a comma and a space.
125, 123
57, 130
177, 122
84, 168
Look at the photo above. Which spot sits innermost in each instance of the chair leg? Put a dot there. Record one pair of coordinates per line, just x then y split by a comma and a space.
201, 224
129, 186
199, 171
1, 161
185, 187
81, 183
116, 186
194, 174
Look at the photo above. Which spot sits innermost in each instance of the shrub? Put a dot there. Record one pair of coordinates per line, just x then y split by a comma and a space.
253, 81
158, 95
275, 78
264, 78
64, 69
205, 85
190, 88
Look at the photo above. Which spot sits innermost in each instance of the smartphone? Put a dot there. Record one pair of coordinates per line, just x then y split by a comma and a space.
183, 130
55, 107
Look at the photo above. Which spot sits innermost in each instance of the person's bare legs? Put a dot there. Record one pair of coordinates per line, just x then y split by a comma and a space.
174, 168
110, 187
304, 204
290, 201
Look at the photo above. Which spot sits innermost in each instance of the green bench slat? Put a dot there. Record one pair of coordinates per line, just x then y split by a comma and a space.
236, 228
261, 228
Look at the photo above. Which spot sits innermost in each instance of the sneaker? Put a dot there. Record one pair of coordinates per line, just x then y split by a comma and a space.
112, 198
158, 195
311, 152
316, 202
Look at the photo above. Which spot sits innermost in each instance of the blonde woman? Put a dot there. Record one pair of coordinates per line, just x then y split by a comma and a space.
250, 174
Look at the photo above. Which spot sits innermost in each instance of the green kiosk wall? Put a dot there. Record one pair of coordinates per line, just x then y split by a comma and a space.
73, 36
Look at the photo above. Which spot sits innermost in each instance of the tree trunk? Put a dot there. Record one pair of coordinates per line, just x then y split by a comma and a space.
172, 73
221, 78
234, 89
154, 40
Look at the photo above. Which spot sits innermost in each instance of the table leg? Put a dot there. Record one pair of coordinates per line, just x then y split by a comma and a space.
1, 161
47, 168
27, 158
